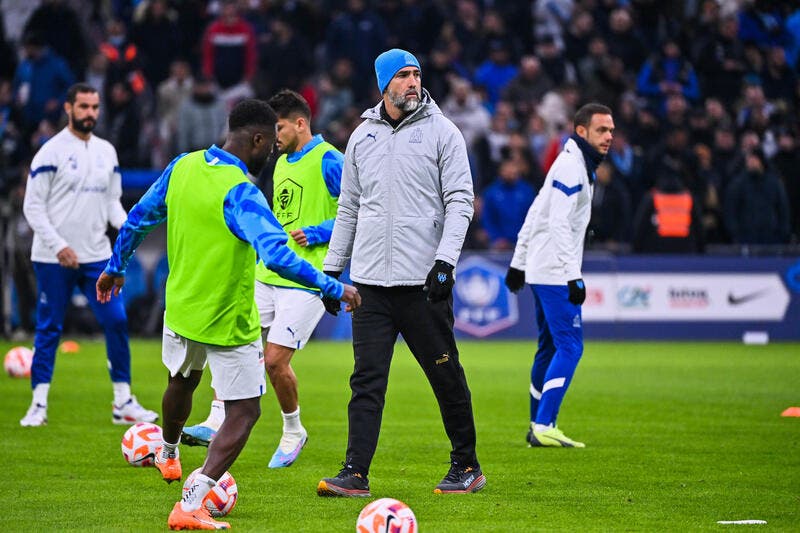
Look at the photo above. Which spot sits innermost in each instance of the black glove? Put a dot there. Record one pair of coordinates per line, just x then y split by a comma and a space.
332, 305
439, 282
515, 279
577, 291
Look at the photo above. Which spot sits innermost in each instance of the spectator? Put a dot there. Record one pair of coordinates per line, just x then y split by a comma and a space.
172, 92
284, 59
158, 37
668, 220
230, 56
608, 82
123, 125
612, 213
761, 23
624, 40
787, 165
97, 72
335, 92
8, 52
59, 26
756, 206
755, 108
201, 118
494, 74
550, 18
722, 63
627, 165
554, 64
580, 34
124, 60
464, 108
667, 73
527, 88
505, 202
779, 80
359, 34
40, 83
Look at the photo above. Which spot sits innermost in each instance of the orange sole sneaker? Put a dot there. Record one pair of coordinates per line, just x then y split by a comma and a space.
170, 469
200, 519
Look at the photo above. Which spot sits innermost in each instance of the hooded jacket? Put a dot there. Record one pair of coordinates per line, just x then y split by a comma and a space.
406, 198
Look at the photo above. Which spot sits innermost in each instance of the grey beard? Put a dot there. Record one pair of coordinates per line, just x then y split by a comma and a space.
399, 101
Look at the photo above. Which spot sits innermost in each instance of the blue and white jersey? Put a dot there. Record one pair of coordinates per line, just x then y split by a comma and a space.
73, 193
550, 244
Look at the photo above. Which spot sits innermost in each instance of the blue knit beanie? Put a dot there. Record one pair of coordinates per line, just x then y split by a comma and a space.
388, 63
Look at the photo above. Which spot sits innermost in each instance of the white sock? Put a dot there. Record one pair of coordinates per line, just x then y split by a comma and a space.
291, 421
216, 416
40, 393
193, 497
122, 393
542, 427
169, 448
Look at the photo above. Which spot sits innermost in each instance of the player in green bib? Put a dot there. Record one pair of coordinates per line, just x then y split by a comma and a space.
306, 181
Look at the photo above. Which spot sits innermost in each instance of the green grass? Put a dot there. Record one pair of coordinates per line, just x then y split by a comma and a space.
678, 435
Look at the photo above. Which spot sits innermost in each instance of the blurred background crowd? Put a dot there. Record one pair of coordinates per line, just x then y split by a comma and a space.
705, 95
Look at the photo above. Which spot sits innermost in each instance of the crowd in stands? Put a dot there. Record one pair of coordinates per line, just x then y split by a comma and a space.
705, 95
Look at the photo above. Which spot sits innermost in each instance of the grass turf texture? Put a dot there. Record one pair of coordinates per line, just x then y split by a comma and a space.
678, 435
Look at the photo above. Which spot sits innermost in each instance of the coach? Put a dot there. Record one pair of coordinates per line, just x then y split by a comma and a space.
405, 204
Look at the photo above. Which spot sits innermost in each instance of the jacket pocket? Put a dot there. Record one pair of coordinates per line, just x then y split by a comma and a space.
414, 243
368, 260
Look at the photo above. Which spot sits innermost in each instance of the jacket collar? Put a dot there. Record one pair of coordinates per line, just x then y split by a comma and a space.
216, 155
427, 107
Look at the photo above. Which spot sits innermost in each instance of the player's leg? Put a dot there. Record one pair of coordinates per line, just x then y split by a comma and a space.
566, 326
374, 335
203, 433
541, 361
111, 316
237, 376
427, 328
54, 286
297, 313
184, 360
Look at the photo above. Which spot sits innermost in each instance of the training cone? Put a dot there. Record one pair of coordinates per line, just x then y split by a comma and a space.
791, 411
70, 347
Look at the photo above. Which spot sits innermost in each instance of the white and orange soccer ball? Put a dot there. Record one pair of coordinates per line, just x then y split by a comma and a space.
18, 361
386, 515
221, 498
139, 443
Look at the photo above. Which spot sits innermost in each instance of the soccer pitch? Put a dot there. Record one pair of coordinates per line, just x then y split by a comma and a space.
678, 436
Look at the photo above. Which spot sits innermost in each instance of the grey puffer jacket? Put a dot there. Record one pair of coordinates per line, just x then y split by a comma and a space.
406, 198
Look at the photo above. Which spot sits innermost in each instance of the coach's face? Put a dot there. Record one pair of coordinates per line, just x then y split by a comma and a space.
405, 89
84, 112
599, 133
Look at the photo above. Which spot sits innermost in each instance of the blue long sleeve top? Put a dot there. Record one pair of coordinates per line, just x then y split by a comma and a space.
247, 215
332, 162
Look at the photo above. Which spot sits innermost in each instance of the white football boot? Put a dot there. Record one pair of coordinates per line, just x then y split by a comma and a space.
35, 417
132, 412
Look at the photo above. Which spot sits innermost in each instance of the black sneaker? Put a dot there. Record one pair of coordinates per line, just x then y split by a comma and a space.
349, 483
461, 480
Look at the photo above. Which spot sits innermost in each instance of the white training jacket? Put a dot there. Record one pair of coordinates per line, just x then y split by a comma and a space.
73, 193
550, 244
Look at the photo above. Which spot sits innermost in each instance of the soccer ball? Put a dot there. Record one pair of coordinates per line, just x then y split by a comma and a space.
139, 443
221, 498
18, 362
386, 515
